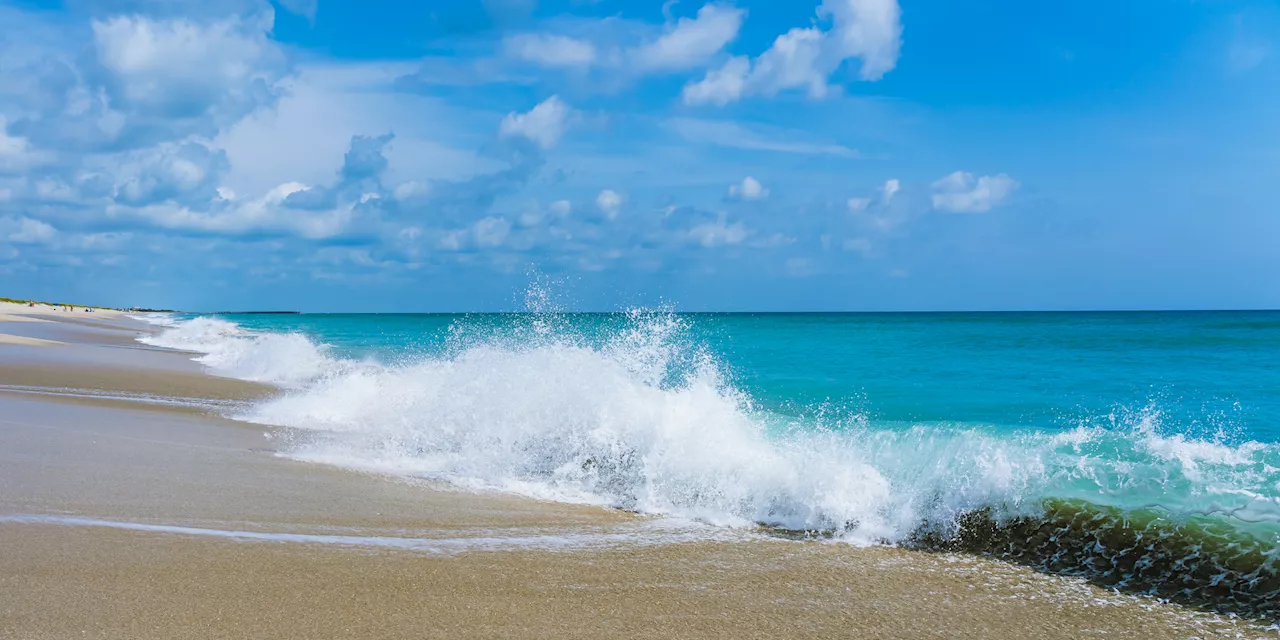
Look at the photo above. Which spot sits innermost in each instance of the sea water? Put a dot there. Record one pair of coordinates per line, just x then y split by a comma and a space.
1141, 450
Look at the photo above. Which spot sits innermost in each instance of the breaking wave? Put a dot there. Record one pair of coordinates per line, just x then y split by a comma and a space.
635, 414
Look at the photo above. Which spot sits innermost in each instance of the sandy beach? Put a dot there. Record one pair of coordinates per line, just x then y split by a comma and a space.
131, 508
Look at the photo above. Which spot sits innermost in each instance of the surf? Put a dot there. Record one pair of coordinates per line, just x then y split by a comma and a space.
635, 412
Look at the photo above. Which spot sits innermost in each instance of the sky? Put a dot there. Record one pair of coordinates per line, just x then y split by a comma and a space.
328, 155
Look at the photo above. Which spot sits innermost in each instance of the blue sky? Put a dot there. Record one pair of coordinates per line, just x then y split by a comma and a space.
326, 155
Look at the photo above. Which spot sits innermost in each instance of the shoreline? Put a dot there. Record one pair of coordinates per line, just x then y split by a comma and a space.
122, 518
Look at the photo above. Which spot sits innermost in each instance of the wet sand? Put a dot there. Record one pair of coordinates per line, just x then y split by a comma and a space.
121, 518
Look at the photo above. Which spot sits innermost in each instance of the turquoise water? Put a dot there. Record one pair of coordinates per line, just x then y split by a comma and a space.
1141, 450
1212, 374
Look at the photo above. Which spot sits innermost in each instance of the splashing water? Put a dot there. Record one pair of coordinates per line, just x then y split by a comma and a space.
635, 411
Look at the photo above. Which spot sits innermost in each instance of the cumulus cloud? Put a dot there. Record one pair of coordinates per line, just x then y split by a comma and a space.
561, 208
748, 189
183, 198
241, 217
189, 172
794, 61
889, 190
691, 42
491, 231
184, 69
961, 192
720, 86
623, 48
411, 190
610, 202
719, 233
154, 100
550, 50
869, 31
15, 151
364, 159
31, 231
141, 80
544, 124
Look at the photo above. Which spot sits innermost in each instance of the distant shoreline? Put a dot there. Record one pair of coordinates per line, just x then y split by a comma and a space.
807, 312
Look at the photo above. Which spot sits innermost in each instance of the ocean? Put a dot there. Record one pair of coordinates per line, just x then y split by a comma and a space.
1140, 450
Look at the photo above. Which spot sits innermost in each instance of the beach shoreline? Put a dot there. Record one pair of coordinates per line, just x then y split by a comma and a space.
123, 516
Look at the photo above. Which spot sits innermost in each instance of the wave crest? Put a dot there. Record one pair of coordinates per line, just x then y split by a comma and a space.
288, 359
636, 415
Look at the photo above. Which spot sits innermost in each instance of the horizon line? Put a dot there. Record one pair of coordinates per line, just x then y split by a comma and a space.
737, 312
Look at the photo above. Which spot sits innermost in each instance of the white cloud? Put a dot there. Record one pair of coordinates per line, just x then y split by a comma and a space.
11, 146
731, 134
451, 241
16, 153
32, 232
749, 189
869, 30
960, 192
186, 172
793, 62
550, 50
309, 129
719, 233
621, 47
609, 202
411, 190
52, 189
267, 213
531, 216
561, 208
889, 190
691, 42
543, 124
183, 69
491, 231
804, 58
720, 86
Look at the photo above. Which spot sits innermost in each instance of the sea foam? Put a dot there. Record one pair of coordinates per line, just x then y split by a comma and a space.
639, 416
286, 359
642, 418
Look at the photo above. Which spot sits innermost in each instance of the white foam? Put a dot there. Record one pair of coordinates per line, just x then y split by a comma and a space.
287, 359
641, 535
144, 398
551, 417
640, 419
